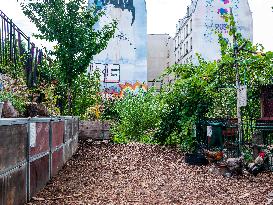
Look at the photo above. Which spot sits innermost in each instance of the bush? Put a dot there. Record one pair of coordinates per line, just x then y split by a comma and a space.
138, 117
18, 102
86, 96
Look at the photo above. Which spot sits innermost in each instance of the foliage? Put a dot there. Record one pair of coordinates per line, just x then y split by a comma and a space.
14, 91
187, 100
46, 94
86, 89
255, 69
71, 25
204, 90
13, 63
109, 112
138, 117
18, 103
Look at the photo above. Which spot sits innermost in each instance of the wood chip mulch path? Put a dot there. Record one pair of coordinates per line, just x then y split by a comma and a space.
147, 174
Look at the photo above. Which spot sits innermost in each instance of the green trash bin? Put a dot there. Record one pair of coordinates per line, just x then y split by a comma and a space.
215, 135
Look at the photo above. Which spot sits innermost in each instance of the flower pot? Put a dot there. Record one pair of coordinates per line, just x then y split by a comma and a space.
1, 108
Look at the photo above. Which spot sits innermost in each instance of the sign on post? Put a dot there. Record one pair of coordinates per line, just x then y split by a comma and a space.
242, 96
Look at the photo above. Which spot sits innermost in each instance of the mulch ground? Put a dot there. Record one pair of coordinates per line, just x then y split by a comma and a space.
147, 174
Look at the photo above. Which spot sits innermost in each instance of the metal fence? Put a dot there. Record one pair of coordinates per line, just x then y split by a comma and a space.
17, 51
215, 134
32, 152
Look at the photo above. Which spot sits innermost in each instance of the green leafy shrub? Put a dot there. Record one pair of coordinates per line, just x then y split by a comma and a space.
17, 101
138, 117
86, 94
187, 100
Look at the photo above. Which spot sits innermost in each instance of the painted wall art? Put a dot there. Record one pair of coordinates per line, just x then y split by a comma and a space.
125, 58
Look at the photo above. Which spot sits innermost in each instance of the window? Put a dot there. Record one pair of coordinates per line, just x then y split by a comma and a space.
191, 44
187, 47
191, 25
187, 29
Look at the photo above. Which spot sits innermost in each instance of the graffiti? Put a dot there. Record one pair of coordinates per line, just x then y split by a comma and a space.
121, 4
110, 73
223, 27
125, 57
222, 11
124, 89
225, 1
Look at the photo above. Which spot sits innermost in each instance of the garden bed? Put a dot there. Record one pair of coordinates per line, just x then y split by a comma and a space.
147, 174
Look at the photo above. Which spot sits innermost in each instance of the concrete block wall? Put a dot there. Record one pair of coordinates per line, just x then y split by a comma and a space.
32, 151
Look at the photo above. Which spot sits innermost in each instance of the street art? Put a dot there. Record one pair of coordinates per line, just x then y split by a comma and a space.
124, 89
223, 11
109, 73
219, 8
221, 28
210, 17
121, 4
225, 1
125, 58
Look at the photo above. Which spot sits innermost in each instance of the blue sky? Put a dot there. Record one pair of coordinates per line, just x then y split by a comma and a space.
163, 16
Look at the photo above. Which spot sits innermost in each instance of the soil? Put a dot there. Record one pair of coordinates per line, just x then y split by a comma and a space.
147, 174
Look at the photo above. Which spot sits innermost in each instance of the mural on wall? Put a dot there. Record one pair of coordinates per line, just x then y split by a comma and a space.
109, 73
208, 20
125, 58
214, 18
123, 89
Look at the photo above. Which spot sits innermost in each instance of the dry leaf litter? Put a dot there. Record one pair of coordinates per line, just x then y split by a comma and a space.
147, 174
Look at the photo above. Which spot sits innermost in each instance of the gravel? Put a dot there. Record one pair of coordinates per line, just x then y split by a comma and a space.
147, 174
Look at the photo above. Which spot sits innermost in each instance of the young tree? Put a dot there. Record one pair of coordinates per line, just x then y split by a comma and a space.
71, 25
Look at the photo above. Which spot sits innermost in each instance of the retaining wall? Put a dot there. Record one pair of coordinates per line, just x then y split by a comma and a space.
32, 151
94, 130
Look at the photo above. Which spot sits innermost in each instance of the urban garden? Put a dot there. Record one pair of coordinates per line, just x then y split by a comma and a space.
197, 118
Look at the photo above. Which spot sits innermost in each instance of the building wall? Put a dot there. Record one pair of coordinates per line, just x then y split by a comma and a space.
158, 58
125, 58
206, 18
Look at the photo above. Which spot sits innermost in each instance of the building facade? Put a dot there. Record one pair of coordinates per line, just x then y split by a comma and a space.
196, 32
160, 55
125, 58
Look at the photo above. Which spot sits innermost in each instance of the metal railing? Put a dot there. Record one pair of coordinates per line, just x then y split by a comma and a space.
223, 134
17, 52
